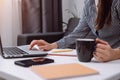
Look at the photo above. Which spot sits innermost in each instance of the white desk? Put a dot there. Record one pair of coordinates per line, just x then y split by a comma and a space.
107, 71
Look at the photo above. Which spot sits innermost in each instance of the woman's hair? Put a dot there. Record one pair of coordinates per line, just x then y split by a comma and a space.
103, 14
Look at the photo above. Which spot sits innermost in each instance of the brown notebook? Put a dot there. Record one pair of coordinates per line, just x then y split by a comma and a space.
63, 71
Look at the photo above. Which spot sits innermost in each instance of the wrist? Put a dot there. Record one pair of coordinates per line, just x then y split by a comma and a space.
54, 45
117, 53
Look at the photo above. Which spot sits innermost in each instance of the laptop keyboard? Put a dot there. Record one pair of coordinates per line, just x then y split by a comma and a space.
14, 51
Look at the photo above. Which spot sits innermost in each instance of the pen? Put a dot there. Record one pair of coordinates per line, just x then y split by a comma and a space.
62, 55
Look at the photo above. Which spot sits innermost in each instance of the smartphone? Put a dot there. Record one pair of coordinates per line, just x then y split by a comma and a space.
35, 61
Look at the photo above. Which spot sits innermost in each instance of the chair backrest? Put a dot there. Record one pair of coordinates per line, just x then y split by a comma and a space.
72, 23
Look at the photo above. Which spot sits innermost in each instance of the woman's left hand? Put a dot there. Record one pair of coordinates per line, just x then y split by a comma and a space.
103, 51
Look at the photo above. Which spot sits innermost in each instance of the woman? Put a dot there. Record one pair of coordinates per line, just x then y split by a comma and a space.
101, 22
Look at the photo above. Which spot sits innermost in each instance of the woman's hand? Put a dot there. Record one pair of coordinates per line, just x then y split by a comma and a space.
104, 52
43, 45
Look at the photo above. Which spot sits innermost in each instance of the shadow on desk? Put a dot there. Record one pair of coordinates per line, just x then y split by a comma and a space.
2, 78
5, 76
110, 62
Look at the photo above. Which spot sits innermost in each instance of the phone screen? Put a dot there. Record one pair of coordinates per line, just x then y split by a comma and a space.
35, 61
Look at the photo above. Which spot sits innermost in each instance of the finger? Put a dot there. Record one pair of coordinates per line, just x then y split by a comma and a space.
101, 59
34, 42
102, 46
37, 42
100, 52
101, 41
97, 58
43, 48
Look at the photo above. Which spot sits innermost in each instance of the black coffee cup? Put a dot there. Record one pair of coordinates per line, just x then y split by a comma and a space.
85, 49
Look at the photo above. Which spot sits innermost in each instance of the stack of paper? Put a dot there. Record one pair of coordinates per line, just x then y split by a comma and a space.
63, 52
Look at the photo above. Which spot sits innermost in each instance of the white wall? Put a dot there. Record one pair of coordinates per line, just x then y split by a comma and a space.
72, 5
9, 22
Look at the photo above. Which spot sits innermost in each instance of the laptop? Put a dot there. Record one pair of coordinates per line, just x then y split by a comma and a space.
18, 52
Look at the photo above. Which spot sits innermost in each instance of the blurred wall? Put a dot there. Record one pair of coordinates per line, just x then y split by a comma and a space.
9, 22
10, 18
75, 6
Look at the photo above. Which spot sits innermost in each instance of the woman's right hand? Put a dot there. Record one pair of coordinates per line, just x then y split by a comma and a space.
43, 45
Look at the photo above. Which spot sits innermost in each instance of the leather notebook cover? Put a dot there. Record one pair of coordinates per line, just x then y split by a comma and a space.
63, 71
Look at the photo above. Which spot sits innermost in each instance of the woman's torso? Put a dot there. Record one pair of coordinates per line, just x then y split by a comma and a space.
109, 33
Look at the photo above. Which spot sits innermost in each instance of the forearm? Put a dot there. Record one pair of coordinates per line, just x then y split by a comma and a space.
65, 42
